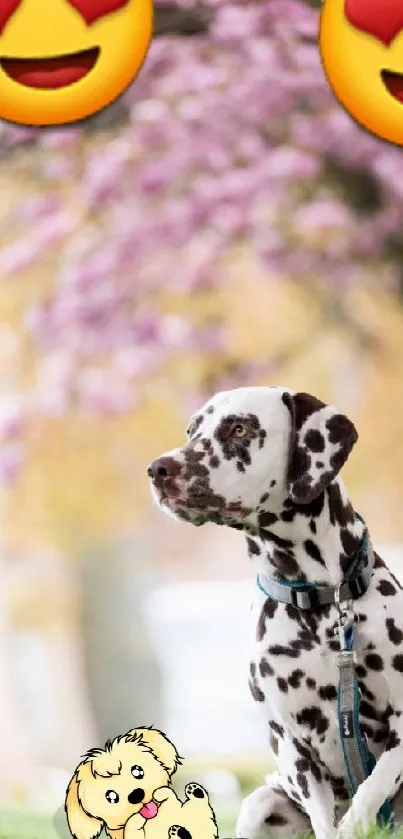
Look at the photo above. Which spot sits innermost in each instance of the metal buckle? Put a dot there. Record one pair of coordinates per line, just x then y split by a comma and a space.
345, 657
346, 615
312, 593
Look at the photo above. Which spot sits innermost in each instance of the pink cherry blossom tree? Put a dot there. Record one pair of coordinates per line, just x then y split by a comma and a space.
231, 135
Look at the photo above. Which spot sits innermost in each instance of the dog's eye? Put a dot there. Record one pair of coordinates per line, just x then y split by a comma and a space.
240, 430
137, 772
112, 796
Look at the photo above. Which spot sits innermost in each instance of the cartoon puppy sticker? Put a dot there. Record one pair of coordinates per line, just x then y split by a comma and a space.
124, 788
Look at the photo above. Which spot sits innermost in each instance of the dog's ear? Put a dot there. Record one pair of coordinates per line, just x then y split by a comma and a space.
320, 442
159, 744
82, 825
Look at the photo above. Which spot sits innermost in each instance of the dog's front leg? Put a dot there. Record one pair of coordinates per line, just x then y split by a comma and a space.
382, 784
134, 827
299, 778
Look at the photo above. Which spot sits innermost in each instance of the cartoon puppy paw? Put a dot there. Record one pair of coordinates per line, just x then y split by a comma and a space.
163, 794
195, 791
177, 832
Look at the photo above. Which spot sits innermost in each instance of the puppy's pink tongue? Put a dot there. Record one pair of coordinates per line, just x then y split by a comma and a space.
148, 811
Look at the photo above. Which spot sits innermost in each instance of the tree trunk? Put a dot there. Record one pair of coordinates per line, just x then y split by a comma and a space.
123, 673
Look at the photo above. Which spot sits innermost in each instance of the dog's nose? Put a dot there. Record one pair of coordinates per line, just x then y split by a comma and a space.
136, 796
162, 469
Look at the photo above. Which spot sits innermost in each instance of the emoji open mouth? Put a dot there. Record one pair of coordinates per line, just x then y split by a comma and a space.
51, 73
393, 83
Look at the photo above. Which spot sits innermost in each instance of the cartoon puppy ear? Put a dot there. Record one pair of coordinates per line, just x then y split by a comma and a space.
159, 744
320, 442
82, 825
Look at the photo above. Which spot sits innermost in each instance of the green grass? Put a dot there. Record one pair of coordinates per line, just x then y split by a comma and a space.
32, 826
14, 825
26, 826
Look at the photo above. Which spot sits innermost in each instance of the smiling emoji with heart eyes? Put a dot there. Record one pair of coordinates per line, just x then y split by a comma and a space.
361, 45
64, 60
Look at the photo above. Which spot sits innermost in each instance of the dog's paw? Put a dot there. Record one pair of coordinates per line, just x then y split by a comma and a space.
177, 832
195, 791
163, 793
269, 812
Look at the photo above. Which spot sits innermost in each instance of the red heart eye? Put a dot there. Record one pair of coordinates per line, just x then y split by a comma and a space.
381, 18
7, 8
91, 10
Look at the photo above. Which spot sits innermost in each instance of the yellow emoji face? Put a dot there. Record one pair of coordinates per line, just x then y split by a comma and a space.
361, 45
63, 60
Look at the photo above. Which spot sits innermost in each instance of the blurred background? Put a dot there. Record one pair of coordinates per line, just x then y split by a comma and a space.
224, 223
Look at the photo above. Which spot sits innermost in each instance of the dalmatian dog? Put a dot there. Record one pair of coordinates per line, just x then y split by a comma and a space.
266, 461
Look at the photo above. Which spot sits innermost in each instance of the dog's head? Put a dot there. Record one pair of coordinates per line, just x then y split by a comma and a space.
250, 450
110, 785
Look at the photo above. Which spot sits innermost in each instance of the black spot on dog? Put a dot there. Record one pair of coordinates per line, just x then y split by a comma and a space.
265, 668
319, 464
273, 483
277, 728
311, 510
266, 519
350, 543
341, 430
367, 710
210, 409
288, 515
303, 784
315, 440
282, 684
255, 690
265, 497
340, 513
262, 436
398, 663
374, 661
313, 551
273, 743
313, 718
291, 652
395, 634
195, 425
365, 691
285, 564
393, 741
311, 683
294, 679
214, 461
360, 671
386, 588
312, 526
328, 692
284, 544
253, 547
339, 788
268, 611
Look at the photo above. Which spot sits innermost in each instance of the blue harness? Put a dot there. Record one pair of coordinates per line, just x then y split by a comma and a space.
359, 761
